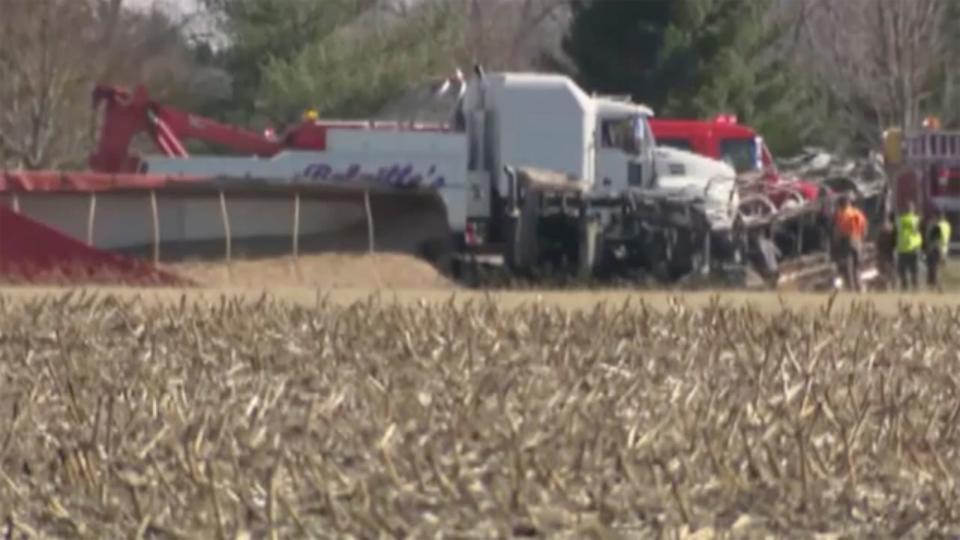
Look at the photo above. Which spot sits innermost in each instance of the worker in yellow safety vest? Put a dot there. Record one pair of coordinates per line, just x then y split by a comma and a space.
938, 247
909, 244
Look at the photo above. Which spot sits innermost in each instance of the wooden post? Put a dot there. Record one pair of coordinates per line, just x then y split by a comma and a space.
226, 225
366, 205
155, 214
91, 217
296, 224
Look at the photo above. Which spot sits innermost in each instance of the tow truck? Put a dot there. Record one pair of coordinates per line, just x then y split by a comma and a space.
509, 138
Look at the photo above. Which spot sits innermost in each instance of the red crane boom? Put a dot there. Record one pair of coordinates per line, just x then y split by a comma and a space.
126, 115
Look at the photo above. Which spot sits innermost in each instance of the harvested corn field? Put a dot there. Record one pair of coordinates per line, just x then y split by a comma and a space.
262, 419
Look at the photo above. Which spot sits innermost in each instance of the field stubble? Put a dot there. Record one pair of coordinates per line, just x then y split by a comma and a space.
124, 418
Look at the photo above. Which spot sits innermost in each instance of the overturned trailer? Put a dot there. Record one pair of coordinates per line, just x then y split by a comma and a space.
665, 233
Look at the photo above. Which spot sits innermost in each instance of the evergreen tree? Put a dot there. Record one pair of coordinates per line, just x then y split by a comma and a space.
261, 32
721, 56
694, 58
614, 46
355, 74
340, 57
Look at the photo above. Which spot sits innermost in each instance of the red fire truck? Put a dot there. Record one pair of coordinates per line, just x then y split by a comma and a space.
924, 168
725, 139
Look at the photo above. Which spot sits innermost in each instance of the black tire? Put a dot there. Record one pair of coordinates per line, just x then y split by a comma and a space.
590, 248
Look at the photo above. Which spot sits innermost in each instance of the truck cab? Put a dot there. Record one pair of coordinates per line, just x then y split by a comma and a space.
557, 175
625, 144
546, 121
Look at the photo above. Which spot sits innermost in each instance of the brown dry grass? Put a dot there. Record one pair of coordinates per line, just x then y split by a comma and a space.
328, 271
568, 299
125, 418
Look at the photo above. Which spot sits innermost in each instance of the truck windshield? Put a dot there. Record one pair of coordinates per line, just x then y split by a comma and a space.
620, 134
679, 144
741, 154
630, 135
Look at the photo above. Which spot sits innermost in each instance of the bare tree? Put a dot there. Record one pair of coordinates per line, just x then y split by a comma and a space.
502, 34
877, 58
53, 52
42, 48
513, 34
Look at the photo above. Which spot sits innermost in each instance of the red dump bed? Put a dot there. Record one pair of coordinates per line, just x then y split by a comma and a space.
31, 252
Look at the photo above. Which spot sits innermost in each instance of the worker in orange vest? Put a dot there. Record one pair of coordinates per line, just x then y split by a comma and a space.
851, 228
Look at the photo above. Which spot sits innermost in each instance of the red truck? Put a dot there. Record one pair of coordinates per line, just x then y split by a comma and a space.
923, 168
724, 139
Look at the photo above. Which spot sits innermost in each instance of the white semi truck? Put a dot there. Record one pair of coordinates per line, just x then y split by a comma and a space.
557, 176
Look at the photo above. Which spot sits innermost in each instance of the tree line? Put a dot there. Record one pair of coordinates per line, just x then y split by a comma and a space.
827, 72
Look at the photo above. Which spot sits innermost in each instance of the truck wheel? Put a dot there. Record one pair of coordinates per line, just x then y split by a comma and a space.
511, 239
589, 249
523, 249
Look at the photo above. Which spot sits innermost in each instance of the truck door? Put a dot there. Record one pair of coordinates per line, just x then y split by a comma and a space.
619, 154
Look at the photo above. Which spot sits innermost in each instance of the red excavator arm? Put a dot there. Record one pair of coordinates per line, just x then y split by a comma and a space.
127, 115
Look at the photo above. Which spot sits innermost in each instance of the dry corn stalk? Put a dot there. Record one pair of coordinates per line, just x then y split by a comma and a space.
263, 420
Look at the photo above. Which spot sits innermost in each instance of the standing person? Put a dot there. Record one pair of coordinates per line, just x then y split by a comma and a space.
851, 227
909, 243
887, 252
934, 255
937, 249
946, 233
